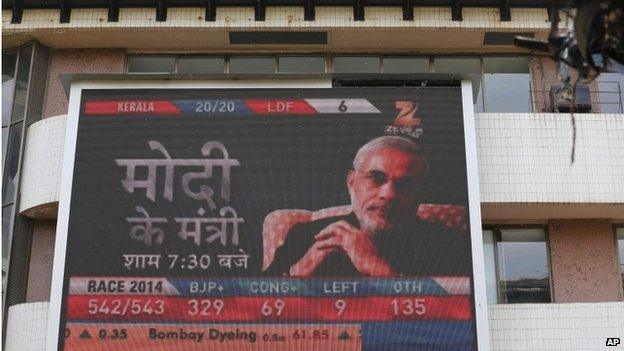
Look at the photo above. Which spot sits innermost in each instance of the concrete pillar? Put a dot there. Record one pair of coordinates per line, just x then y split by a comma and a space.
584, 261
41, 259
87, 61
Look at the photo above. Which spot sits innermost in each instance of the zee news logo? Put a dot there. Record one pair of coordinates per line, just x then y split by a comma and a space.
613, 341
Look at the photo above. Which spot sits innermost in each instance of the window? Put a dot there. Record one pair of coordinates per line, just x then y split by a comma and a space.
16, 68
24, 72
470, 66
151, 64
611, 92
489, 255
252, 64
357, 64
405, 64
8, 85
500, 83
517, 269
506, 84
619, 232
201, 65
301, 64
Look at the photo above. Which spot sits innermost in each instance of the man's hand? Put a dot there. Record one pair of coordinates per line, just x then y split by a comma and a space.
311, 260
357, 245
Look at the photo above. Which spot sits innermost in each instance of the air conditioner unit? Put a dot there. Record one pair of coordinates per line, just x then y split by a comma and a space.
562, 98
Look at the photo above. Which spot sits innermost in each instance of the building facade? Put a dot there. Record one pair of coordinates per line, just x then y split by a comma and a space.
551, 183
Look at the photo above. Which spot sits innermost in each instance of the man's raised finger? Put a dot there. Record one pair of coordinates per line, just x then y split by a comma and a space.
331, 242
329, 231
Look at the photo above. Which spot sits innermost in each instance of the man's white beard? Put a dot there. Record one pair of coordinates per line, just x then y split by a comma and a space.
372, 227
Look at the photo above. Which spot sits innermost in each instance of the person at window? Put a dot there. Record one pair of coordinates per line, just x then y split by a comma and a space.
382, 236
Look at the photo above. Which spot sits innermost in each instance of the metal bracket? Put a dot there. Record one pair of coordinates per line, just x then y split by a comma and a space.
211, 11
161, 11
65, 11
456, 10
408, 10
505, 12
358, 10
309, 12
17, 11
113, 11
260, 10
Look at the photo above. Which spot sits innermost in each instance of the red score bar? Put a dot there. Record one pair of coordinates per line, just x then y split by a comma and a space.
130, 107
275, 106
167, 308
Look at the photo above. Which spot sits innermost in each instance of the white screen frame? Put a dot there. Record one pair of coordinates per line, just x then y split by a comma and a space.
474, 207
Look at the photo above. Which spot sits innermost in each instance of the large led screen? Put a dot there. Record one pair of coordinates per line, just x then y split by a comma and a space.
269, 219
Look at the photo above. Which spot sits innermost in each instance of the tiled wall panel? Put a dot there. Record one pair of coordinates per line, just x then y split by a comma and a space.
565, 327
43, 159
281, 17
527, 158
26, 327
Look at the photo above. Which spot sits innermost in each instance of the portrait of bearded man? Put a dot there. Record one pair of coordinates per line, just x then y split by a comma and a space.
382, 236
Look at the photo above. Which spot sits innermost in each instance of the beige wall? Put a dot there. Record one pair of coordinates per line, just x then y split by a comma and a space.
41, 258
87, 61
584, 263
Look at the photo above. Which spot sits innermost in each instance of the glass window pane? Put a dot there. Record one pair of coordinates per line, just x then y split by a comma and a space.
506, 64
151, 64
5, 140
478, 100
198, 64
620, 239
7, 217
611, 92
301, 64
507, 92
490, 267
12, 161
8, 84
506, 83
406, 65
21, 84
456, 65
252, 65
470, 66
523, 265
357, 64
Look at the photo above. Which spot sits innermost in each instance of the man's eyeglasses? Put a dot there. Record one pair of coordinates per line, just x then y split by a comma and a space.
405, 186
